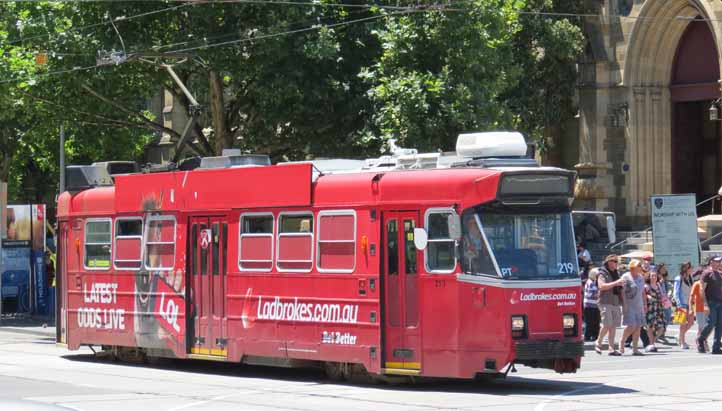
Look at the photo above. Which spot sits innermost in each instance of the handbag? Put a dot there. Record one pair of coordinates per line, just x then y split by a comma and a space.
680, 316
666, 302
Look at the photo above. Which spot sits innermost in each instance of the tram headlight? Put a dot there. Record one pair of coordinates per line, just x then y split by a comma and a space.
569, 322
518, 326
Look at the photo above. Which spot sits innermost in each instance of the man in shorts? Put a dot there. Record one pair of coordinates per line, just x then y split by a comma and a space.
610, 303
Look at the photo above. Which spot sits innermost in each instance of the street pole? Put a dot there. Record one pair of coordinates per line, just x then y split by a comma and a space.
59, 282
3, 224
62, 159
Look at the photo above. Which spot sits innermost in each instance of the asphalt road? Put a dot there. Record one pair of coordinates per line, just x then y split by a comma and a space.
34, 371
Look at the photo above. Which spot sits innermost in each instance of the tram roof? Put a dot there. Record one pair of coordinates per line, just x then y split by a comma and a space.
286, 185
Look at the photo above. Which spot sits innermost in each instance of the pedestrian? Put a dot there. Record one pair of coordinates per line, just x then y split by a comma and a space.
663, 281
610, 303
682, 288
591, 306
712, 295
697, 305
634, 305
584, 259
655, 310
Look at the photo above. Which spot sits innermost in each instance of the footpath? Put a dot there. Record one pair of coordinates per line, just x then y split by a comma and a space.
28, 324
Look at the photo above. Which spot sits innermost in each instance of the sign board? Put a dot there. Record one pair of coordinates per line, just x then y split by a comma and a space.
674, 226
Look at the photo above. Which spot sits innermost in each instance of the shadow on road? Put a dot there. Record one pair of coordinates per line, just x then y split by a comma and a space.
499, 387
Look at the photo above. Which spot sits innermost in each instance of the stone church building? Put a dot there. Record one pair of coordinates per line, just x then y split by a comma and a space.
648, 80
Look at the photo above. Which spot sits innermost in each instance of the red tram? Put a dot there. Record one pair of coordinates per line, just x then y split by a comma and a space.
440, 271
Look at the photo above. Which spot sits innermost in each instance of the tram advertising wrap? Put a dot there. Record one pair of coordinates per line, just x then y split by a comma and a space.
415, 271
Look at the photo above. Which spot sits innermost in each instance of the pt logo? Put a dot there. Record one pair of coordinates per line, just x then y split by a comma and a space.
658, 202
205, 238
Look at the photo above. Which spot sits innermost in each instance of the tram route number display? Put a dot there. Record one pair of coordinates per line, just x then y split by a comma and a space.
100, 315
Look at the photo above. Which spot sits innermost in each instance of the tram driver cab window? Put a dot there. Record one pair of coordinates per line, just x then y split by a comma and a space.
475, 256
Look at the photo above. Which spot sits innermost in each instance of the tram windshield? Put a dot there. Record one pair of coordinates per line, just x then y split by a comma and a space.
525, 247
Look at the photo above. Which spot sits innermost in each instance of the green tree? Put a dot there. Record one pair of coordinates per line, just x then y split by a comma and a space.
492, 64
291, 80
443, 72
546, 49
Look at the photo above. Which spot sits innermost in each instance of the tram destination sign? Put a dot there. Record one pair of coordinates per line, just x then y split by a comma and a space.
535, 184
674, 228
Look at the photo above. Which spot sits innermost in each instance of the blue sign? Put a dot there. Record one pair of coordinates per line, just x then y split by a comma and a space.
16, 277
41, 290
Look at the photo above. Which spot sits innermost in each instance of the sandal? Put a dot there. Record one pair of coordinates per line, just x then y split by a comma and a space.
637, 353
615, 353
598, 349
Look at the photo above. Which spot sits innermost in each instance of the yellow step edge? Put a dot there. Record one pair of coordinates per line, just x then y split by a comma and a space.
209, 351
206, 357
400, 371
403, 365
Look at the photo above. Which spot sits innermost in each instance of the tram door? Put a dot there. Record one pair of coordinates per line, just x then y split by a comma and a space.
61, 276
208, 253
402, 343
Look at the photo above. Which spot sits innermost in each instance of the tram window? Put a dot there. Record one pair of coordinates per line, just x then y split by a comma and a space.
224, 260
128, 236
215, 241
256, 242
411, 317
194, 249
475, 255
160, 243
394, 285
336, 241
439, 255
409, 247
97, 244
393, 247
295, 242
204, 254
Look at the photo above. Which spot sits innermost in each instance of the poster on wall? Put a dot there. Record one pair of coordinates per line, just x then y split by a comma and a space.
18, 226
674, 228
23, 250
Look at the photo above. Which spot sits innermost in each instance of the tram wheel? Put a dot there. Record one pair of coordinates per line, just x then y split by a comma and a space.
335, 371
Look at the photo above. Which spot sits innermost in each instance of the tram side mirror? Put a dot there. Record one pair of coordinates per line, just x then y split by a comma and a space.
454, 222
421, 239
611, 229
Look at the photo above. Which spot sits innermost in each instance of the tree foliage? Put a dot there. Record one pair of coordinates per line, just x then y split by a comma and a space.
293, 81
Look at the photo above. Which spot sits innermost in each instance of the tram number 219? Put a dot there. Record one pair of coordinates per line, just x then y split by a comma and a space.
565, 268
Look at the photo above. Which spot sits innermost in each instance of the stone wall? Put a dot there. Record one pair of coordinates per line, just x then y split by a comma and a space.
625, 104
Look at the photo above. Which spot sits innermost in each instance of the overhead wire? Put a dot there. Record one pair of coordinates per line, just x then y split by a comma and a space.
398, 10
235, 33
103, 23
416, 6
244, 39
50, 73
285, 33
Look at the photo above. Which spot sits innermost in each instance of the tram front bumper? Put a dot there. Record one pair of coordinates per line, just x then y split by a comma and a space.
561, 356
